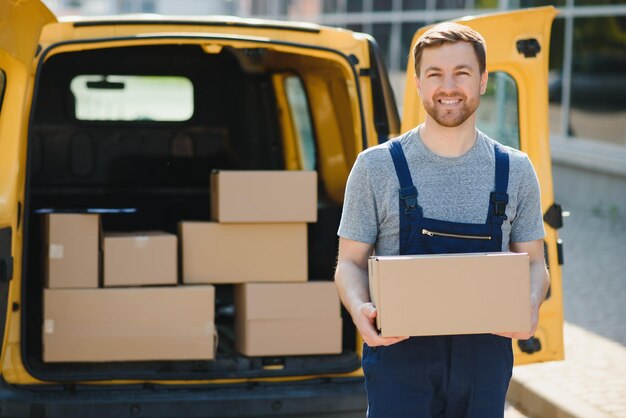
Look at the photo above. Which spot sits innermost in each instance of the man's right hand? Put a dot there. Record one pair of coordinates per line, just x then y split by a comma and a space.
364, 319
351, 279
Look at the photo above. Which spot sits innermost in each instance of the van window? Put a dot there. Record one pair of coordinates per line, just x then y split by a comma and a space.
498, 114
299, 107
132, 98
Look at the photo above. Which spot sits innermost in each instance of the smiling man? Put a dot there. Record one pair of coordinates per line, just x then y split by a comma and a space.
444, 176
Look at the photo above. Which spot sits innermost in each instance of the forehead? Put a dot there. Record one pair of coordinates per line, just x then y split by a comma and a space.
449, 55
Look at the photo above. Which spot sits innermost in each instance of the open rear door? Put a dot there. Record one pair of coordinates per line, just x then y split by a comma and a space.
20, 27
514, 111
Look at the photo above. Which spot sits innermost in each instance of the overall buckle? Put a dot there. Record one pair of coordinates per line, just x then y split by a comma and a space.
499, 200
409, 196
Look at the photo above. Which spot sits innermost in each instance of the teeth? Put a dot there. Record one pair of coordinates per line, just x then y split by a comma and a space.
450, 101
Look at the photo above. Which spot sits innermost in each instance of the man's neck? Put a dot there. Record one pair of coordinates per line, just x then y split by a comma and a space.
448, 142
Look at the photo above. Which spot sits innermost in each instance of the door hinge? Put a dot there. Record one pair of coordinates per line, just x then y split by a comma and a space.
554, 216
6, 259
529, 47
6, 269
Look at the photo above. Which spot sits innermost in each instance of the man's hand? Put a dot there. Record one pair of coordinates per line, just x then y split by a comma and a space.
351, 279
364, 319
539, 283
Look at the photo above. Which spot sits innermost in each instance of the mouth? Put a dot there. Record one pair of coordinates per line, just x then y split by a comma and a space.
449, 102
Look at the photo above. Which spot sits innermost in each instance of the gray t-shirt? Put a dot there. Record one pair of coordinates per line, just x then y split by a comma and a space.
449, 189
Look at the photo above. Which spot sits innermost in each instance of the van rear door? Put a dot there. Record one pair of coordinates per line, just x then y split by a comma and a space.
514, 111
20, 26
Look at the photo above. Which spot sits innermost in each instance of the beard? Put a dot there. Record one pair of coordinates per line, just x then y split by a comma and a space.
451, 118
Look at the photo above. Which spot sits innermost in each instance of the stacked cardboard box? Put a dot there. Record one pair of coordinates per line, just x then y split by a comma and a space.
258, 233
72, 246
138, 259
258, 241
83, 322
125, 324
264, 196
274, 319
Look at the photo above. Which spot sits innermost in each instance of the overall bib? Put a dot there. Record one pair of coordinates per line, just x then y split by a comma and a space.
458, 376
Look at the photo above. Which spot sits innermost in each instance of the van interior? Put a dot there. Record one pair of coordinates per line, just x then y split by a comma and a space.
149, 173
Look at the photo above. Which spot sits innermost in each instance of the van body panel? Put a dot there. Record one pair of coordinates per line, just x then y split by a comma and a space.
19, 36
518, 45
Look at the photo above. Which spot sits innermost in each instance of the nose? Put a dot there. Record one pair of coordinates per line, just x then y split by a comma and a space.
448, 83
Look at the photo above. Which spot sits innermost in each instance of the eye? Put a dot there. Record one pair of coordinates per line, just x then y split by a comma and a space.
431, 75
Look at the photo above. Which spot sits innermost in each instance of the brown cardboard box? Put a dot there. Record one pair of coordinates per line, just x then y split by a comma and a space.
264, 196
158, 323
240, 253
147, 258
72, 250
279, 319
451, 294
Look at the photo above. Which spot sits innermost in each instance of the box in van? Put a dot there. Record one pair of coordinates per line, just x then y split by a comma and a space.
72, 247
263, 196
129, 324
140, 259
282, 319
243, 253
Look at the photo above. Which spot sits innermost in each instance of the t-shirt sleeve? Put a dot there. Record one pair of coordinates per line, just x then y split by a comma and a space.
359, 218
528, 222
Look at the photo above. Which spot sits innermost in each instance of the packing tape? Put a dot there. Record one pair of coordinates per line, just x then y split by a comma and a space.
141, 242
55, 251
48, 326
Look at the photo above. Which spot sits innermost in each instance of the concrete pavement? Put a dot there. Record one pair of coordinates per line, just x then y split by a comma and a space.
591, 382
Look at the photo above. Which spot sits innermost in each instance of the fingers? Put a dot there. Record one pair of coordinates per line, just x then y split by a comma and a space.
369, 310
365, 324
376, 340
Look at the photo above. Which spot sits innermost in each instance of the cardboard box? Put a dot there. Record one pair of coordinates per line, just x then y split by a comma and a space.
281, 319
451, 294
148, 258
158, 323
240, 253
72, 250
264, 196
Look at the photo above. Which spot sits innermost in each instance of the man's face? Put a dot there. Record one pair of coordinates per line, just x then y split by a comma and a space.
450, 83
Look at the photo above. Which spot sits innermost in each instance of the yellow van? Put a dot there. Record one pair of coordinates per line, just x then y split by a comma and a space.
134, 112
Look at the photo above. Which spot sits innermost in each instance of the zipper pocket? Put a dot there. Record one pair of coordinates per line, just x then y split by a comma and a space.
443, 234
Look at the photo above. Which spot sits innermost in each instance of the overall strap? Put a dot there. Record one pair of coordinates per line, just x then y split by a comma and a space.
408, 208
408, 192
499, 197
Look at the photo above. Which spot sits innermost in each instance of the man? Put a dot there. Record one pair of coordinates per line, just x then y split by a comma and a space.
443, 187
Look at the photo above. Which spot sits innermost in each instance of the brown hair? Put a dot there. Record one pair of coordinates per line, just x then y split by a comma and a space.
449, 32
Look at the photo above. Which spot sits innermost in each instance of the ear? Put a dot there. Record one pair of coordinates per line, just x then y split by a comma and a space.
417, 85
483, 82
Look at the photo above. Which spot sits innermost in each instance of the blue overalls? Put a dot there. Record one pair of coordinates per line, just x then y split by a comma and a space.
458, 376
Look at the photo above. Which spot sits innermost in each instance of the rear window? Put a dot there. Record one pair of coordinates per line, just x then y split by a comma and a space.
132, 98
